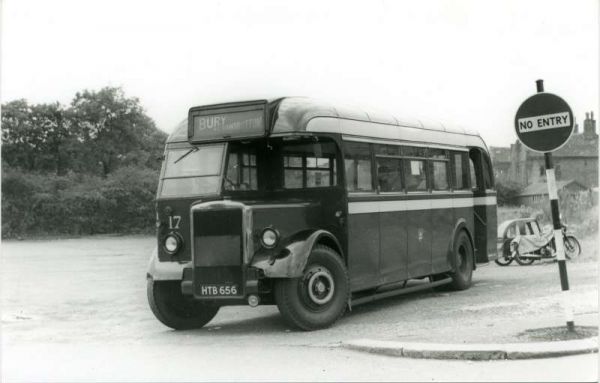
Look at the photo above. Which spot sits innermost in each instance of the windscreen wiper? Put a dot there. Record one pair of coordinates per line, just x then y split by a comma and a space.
194, 149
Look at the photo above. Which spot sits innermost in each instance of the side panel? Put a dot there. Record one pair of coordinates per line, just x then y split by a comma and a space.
419, 237
393, 246
442, 222
363, 250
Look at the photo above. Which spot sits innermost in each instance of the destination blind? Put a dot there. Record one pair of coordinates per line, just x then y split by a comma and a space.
224, 126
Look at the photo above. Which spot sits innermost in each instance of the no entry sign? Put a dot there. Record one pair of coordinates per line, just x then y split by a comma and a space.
544, 122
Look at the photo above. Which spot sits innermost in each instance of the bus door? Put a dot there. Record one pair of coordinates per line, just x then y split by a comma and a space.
484, 205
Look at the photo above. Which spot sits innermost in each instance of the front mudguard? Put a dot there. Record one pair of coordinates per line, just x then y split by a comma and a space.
291, 260
164, 271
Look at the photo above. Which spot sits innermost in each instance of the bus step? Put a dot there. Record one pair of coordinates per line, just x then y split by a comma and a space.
407, 290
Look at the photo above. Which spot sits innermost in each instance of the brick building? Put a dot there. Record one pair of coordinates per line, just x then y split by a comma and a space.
577, 160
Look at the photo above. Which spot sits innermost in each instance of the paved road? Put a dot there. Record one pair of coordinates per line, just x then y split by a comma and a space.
76, 310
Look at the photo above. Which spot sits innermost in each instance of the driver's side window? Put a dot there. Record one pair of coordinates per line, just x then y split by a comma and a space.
241, 170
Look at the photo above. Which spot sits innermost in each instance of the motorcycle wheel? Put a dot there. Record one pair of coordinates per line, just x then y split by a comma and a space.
572, 247
505, 259
523, 261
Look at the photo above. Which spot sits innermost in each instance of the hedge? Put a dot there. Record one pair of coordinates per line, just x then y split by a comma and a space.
75, 204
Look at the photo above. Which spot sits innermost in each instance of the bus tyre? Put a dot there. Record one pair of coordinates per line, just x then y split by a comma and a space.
463, 263
174, 310
319, 297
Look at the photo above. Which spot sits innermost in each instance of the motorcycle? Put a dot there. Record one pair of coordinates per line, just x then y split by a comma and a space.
523, 241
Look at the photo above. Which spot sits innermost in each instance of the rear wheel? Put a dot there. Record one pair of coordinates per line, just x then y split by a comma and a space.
463, 263
572, 247
174, 310
319, 297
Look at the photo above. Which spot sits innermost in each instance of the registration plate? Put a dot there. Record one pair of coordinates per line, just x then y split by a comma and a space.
219, 290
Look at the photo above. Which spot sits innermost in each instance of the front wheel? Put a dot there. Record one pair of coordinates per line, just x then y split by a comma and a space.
463, 263
572, 247
174, 310
506, 258
319, 297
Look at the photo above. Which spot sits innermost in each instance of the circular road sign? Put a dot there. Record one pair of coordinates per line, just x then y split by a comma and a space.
544, 122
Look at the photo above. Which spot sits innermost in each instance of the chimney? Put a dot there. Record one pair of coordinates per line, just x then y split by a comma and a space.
589, 125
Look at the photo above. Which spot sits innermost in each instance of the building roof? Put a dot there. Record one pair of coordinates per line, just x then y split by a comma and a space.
541, 188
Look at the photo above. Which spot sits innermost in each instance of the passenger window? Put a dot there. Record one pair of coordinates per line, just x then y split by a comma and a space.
357, 162
487, 173
389, 175
461, 181
438, 154
309, 165
389, 150
414, 151
416, 178
472, 173
440, 175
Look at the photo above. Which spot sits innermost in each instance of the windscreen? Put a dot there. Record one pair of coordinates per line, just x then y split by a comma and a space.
192, 171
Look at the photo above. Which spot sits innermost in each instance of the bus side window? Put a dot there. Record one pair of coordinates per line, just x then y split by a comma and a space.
416, 176
461, 171
440, 175
472, 173
389, 175
487, 173
357, 162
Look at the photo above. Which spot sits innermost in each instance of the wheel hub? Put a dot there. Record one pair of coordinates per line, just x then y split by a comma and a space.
320, 285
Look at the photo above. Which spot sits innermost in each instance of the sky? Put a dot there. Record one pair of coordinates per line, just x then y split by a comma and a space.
466, 63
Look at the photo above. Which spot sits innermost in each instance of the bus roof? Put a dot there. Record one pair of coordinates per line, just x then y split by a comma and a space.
302, 114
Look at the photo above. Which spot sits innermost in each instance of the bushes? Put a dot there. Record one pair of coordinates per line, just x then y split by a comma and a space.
507, 191
77, 204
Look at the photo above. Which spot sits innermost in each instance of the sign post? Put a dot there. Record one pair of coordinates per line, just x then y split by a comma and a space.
544, 123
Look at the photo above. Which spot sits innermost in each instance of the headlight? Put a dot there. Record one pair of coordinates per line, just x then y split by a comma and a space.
172, 243
269, 238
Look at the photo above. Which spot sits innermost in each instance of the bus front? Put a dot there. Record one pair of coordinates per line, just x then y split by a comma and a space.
238, 215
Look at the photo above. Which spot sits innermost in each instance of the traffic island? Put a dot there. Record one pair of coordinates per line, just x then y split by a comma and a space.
529, 350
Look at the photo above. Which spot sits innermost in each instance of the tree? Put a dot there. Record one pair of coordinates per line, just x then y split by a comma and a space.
22, 137
113, 130
34, 136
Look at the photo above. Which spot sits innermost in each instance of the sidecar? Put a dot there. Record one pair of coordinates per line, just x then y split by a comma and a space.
524, 234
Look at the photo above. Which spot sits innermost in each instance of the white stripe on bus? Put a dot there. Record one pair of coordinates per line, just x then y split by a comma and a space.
419, 204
